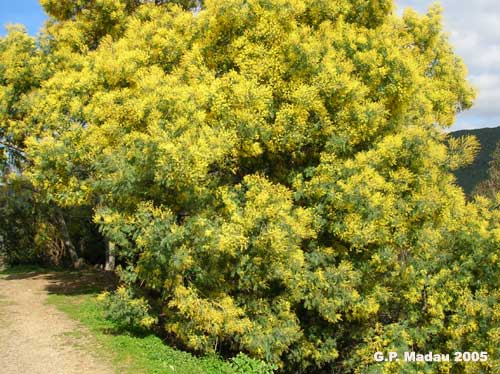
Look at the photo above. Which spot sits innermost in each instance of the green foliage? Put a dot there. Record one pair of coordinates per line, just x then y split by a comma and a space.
18, 224
242, 364
125, 311
491, 186
470, 176
30, 231
275, 172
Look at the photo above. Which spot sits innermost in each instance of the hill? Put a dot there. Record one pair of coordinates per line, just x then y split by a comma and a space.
470, 176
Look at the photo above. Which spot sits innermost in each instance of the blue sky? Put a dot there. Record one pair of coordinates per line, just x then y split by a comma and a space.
473, 28
27, 12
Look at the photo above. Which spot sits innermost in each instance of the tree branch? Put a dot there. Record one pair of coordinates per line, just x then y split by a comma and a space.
16, 149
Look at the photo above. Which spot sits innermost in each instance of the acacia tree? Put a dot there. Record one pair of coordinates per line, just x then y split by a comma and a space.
276, 173
33, 228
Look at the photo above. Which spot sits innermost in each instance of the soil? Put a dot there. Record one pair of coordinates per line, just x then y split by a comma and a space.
36, 338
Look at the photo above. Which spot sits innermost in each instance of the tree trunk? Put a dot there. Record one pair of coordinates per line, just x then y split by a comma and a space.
76, 261
110, 256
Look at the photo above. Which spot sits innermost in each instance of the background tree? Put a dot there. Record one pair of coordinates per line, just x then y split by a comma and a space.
491, 186
34, 228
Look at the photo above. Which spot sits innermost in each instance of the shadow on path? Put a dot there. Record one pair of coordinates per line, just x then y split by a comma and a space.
35, 337
71, 282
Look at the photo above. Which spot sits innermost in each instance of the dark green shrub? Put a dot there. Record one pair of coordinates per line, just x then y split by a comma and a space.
126, 311
17, 224
247, 365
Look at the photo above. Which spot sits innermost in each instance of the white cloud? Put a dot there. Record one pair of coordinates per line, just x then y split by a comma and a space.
474, 29
489, 83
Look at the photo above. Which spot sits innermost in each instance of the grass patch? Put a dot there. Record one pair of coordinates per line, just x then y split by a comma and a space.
24, 269
132, 354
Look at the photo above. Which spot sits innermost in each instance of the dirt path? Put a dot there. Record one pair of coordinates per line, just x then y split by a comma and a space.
36, 338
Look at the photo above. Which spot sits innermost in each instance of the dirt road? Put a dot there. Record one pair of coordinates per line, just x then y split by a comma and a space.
36, 338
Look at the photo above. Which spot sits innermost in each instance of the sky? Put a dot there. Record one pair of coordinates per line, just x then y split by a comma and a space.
474, 29
473, 26
27, 12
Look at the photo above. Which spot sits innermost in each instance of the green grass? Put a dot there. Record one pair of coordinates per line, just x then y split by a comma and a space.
132, 354
24, 269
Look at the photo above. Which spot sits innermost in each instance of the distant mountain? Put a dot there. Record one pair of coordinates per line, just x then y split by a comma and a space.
470, 176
